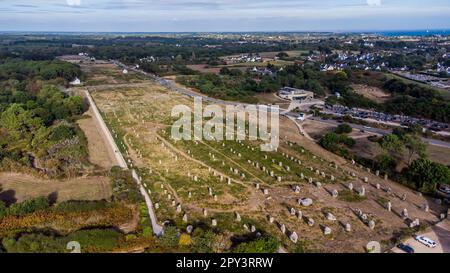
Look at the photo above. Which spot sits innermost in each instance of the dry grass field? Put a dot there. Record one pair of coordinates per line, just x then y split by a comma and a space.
195, 175
99, 153
19, 187
106, 73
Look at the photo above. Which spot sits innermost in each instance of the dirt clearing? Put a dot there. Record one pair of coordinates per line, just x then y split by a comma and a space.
372, 93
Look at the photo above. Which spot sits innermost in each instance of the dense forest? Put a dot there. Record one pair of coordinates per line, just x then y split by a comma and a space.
37, 126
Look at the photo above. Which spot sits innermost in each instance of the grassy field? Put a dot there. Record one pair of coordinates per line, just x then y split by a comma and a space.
19, 187
188, 177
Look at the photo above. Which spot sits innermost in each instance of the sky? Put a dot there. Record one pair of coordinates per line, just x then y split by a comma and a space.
223, 15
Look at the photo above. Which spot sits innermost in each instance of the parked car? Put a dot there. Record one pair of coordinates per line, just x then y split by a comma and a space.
426, 241
406, 248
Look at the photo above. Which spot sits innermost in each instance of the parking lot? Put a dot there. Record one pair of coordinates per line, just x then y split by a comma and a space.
439, 233
339, 110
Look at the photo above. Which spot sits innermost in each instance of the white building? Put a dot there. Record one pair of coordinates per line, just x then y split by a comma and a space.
290, 93
75, 82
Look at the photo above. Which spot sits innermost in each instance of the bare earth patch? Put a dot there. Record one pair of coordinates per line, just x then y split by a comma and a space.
370, 92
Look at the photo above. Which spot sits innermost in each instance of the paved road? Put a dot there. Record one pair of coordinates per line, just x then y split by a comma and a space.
157, 229
382, 132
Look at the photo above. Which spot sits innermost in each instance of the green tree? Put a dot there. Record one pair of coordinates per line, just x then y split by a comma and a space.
415, 147
392, 144
424, 175
343, 129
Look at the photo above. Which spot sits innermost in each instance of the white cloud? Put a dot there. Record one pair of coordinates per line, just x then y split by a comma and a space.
73, 2
373, 3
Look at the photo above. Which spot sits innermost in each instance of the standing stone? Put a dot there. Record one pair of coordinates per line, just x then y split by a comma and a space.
385, 177
405, 213
257, 186
271, 219
318, 184
327, 231
179, 208
189, 229
311, 222
362, 192
205, 212
156, 205
378, 186
426, 207
185, 218
348, 227
297, 189
366, 179
350, 186
253, 229
266, 192
372, 224
404, 197
305, 202
299, 214
238, 217
283, 229
279, 178
335, 193
214, 222
294, 237
331, 217
190, 195
293, 212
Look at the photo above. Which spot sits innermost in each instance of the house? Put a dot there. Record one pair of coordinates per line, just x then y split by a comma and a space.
295, 94
76, 81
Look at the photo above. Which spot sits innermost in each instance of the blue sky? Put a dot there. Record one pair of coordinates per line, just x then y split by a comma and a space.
222, 15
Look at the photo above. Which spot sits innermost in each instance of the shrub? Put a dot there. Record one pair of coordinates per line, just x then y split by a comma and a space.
3, 209
170, 238
185, 240
82, 206
266, 244
343, 129
29, 206
202, 241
